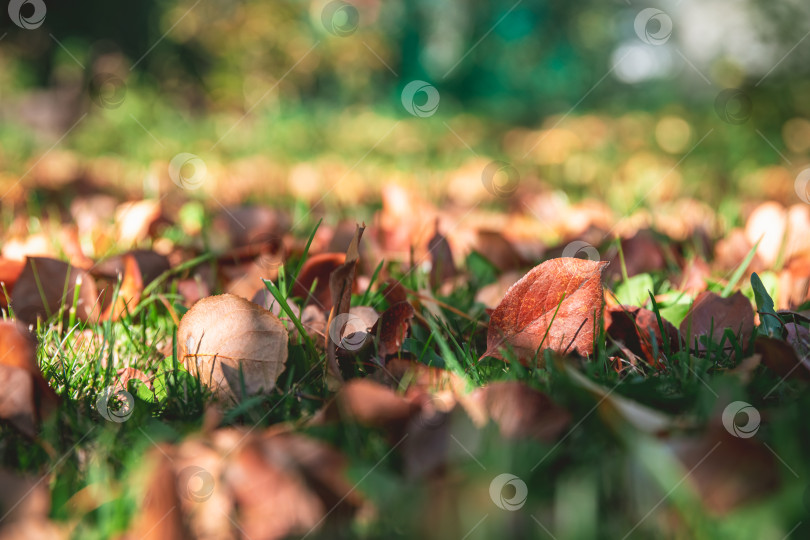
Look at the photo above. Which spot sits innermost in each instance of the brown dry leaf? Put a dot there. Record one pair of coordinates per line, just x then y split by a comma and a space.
287, 484
25, 502
394, 292
498, 250
206, 502
392, 327
727, 471
522, 411
799, 337
694, 276
404, 221
371, 404
340, 285
781, 358
46, 284
245, 280
246, 225
318, 267
194, 289
637, 328
129, 293
712, 314
441, 256
731, 250
25, 397
427, 378
528, 316
223, 335
643, 253
160, 514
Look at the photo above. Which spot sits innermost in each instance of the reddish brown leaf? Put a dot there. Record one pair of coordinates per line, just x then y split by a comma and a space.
711, 314
371, 404
394, 292
525, 319
194, 289
160, 515
781, 358
392, 327
799, 338
521, 411
287, 485
25, 397
318, 267
498, 250
427, 379
26, 503
637, 328
731, 251
727, 471
246, 225
46, 284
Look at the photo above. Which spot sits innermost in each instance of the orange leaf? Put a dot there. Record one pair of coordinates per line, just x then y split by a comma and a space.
129, 294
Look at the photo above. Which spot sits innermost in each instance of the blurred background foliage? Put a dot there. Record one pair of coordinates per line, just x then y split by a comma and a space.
567, 92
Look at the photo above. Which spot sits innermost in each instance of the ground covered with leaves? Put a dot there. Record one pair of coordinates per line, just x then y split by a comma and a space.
531, 366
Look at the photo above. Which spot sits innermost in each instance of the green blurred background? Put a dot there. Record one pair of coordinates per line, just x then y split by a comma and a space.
580, 96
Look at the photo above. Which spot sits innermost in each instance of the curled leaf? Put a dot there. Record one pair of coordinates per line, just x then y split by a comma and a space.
340, 285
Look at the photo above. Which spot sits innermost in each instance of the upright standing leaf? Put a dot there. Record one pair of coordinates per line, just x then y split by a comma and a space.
340, 284
441, 256
556, 306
